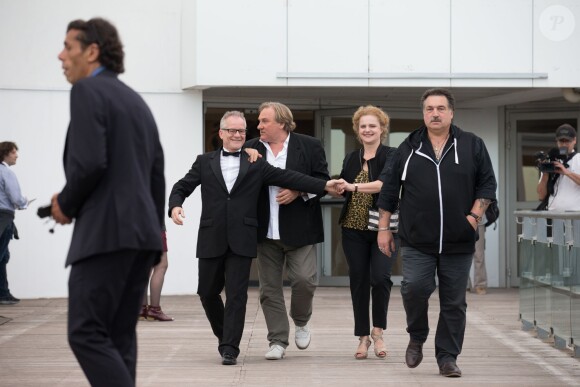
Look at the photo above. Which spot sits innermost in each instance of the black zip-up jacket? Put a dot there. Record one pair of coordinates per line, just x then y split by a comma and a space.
436, 197
352, 165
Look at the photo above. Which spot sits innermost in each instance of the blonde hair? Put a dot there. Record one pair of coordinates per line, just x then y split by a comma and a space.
282, 114
371, 110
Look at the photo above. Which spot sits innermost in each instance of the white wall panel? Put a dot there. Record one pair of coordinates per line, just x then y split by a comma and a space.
37, 122
151, 33
36, 267
492, 36
33, 32
240, 42
483, 122
188, 63
408, 37
179, 118
327, 36
556, 39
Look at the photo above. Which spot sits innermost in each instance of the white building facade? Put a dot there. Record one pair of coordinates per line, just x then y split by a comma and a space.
514, 67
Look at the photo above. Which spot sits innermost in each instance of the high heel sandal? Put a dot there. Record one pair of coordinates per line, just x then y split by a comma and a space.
154, 313
143, 313
380, 350
362, 354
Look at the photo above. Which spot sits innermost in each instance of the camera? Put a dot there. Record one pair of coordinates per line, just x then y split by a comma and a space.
545, 162
44, 212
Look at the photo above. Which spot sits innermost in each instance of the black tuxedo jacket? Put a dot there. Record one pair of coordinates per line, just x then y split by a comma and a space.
229, 219
113, 163
300, 221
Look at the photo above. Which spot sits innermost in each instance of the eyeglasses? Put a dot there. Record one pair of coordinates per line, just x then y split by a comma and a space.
234, 131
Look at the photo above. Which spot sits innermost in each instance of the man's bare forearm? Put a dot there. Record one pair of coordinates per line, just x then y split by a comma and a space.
384, 218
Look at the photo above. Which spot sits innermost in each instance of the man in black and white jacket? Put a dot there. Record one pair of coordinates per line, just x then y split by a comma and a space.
447, 183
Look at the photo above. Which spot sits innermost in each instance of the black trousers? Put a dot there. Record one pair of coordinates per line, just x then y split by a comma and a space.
5, 238
419, 270
369, 271
105, 294
231, 271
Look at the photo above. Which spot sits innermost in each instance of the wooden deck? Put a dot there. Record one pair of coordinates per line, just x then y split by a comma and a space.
34, 350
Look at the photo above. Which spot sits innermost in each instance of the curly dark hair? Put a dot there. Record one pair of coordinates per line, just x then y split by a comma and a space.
5, 148
105, 35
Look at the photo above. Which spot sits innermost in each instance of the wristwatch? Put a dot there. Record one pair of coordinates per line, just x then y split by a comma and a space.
475, 216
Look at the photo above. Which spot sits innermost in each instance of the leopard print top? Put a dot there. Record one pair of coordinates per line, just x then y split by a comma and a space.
357, 212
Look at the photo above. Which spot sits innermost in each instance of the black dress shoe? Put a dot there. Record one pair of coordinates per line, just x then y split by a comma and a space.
414, 354
450, 370
229, 359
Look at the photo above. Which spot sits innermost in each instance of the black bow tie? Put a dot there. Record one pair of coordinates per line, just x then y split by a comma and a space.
235, 154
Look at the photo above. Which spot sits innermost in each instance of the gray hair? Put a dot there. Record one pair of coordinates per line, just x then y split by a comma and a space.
232, 113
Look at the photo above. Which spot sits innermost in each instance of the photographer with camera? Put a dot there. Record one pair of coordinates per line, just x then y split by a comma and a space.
559, 185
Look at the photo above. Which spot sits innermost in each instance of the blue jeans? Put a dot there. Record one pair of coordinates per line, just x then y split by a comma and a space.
4, 258
419, 270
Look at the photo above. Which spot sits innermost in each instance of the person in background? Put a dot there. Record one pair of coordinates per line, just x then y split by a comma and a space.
363, 170
445, 181
115, 192
152, 311
289, 227
11, 199
564, 191
479, 285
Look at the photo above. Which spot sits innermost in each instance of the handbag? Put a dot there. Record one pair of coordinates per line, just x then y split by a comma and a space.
373, 223
394, 225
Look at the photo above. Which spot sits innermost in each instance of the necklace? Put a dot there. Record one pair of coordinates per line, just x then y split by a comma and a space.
439, 148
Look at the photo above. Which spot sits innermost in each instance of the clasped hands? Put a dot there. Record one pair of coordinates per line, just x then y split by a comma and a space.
337, 187
334, 187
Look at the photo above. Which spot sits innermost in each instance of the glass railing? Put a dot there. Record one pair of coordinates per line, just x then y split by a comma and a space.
549, 269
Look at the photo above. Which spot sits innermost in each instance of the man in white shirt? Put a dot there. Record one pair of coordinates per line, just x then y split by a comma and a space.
565, 195
289, 227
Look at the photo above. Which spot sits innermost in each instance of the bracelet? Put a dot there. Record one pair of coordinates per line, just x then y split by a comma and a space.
475, 216
355, 188
384, 229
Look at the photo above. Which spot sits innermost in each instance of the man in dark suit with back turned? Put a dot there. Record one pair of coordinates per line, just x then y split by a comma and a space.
114, 190
290, 225
228, 227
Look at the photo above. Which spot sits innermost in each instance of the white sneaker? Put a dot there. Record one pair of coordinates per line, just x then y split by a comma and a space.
302, 336
276, 352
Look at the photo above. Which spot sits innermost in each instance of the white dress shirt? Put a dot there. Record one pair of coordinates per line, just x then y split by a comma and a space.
230, 166
278, 161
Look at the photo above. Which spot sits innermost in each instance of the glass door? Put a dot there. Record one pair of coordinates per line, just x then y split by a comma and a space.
334, 127
527, 134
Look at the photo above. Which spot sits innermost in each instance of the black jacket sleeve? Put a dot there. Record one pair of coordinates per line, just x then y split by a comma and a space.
391, 178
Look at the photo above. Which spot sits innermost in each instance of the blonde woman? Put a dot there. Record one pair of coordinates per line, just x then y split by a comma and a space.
369, 268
